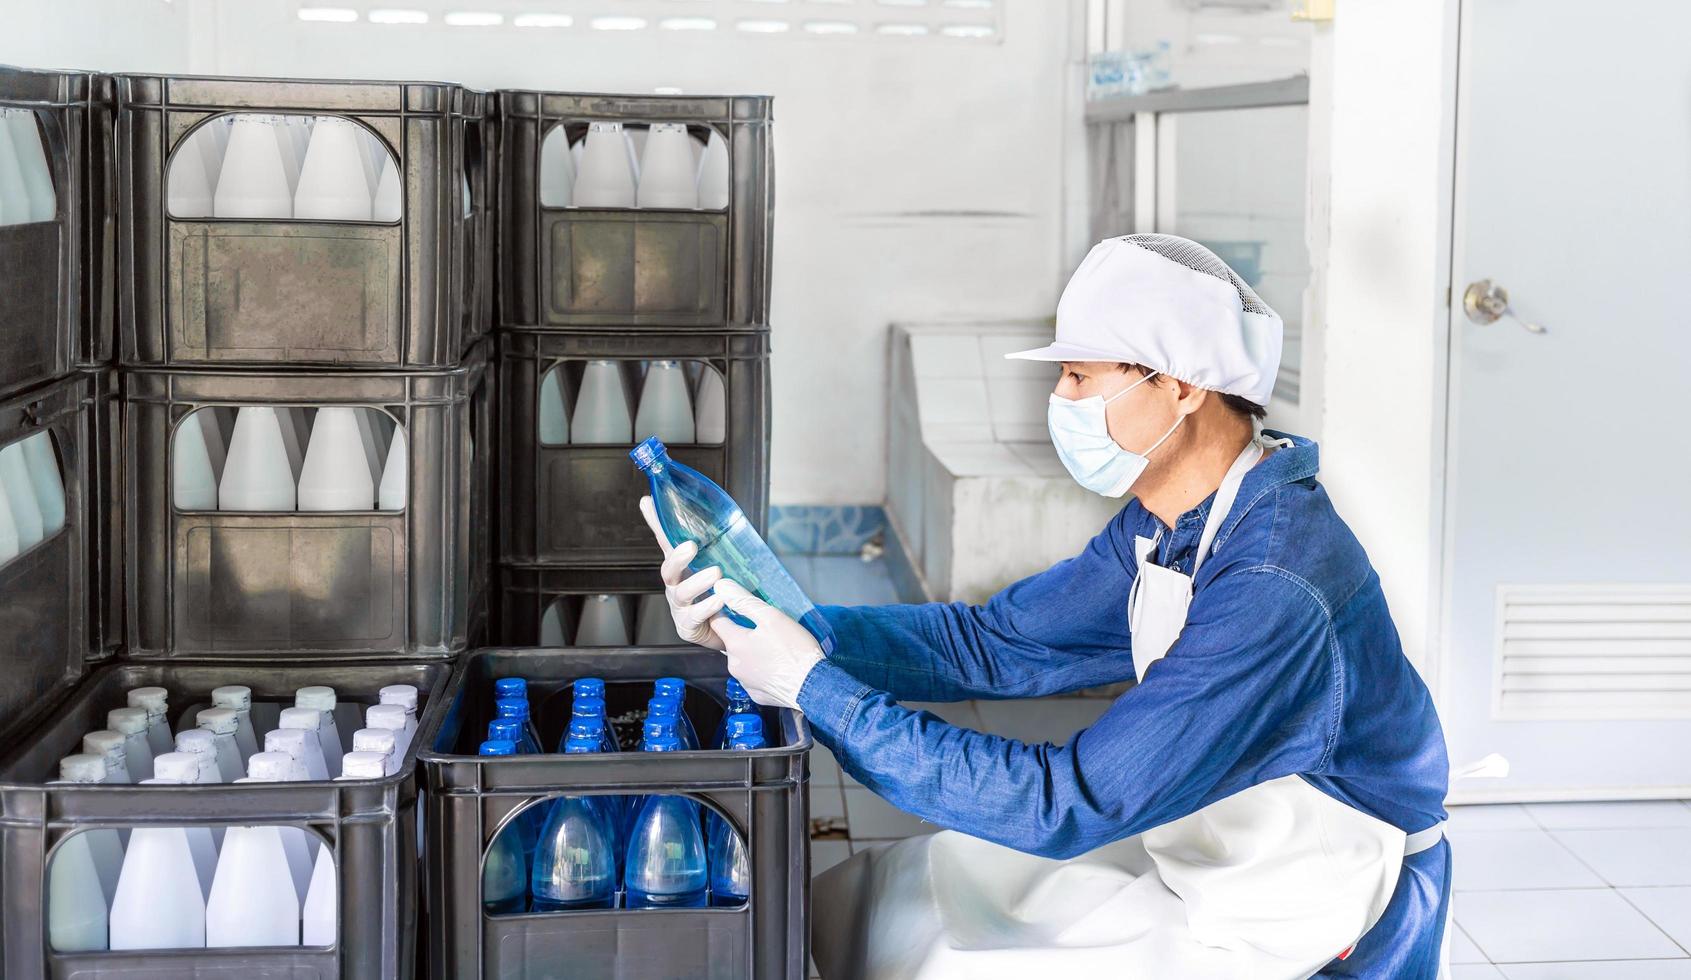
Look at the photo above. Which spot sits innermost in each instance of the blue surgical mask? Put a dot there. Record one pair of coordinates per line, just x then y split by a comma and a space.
1080, 430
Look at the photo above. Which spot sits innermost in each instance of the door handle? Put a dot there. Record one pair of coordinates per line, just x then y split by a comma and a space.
1486, 302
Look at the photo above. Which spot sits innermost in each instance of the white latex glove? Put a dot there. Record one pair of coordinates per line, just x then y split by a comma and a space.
772, 660
690, 613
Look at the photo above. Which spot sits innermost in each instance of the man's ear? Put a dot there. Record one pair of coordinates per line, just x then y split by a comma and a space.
1190, 397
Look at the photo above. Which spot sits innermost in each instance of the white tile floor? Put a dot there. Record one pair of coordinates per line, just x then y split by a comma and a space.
1548, 891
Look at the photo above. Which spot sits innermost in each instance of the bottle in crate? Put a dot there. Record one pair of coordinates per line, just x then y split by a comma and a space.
575, 860
730, 871
739, 703
666, 867
504, 877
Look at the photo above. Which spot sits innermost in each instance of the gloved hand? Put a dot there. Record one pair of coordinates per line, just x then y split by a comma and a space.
690, 613
772, 660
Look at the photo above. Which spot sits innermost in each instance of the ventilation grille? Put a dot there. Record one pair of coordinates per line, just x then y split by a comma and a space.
1590, 652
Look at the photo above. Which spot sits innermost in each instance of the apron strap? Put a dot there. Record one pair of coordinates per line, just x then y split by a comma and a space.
1224, 498
1423, 840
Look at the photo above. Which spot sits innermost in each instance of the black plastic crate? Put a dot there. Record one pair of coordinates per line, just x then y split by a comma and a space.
412, 293
470, 799
575, 504
370, 825
644, 268
334, 585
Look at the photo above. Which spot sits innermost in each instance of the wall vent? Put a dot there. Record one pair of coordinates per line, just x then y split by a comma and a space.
1593, 652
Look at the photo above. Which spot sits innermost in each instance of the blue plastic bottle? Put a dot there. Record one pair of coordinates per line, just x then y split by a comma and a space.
517, 708
739, 703
666, 707
516, 687
676, 688
743, 727
575, 864
730, 872
666, 865
506, 730
585, 708
504, 877
692, 508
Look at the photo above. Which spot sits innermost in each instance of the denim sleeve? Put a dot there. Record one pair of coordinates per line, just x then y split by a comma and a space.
1060, 630
1245, 695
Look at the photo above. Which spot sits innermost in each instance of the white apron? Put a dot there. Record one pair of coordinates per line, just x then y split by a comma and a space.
1270, 883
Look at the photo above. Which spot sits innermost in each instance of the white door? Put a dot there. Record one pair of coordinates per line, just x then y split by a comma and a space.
1568, 534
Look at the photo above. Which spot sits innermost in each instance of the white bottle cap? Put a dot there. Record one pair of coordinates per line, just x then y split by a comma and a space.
108, 745
304, 719
363, 765
196, 741
81, 768
127, 721
270, 767
155, 700
403, 695
234, 697
288, 741
184, 767
379, 740
390, 716
319, 698
219, 721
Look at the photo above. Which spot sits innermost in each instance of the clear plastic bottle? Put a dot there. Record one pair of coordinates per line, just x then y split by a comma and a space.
676, 688
665, 710
730, 872
692, 508
593, 710
666, 866
739, 703
504, 875
575, 858
516, 688
742, 726
517, 708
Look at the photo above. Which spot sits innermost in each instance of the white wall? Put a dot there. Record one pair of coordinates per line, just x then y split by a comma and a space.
917, 178
105, 35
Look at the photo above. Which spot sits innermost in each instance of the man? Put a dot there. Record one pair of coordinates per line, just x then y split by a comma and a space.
1265, 802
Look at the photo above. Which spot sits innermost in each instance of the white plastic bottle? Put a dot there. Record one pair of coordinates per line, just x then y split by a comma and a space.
710, 408
296, 433
8, 529
155, 701
131, 723
405, 697
293, 135
322, 699
554, 419
257, 475
333, 185
189, 191
668, 176
554, 632
389, 204
254, 900
201, 745
278, 767
665, 410
14, 199
222, 724
32, 164
714, 174
77, 906
336, 472
254, 180
323, 894
238, 698
193, 481
392, 718
373, 431
212, 142
310, 721
49, 482
291, 744
381, 741
601, 407
104, 845
160, 903
603, 623
557, 169
109, 746
605, 178
186, 768
20, 493
394, 476
182, 768
654, 626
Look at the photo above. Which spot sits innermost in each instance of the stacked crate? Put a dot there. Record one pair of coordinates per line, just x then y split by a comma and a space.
218, 315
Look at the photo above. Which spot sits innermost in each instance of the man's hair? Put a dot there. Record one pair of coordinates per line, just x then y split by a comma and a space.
1240, 406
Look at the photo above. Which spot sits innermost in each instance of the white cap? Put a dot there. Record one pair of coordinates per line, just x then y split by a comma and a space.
107, 744
381, 740
196, 741
320, 698
155, 700
127, 721
270, 767
304, 719
219, 721
81, 768
287, 741
1170, 305
180, 766
403, 695
364, 765
234, 697
390, 716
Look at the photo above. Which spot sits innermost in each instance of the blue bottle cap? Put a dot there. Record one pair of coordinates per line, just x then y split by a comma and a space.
648, 452
588, 687
663, 705
663, 743
586, 728
673, 686
510, 687
581, 745
504, 730
511, 708
747, 742
587, 708
746, 724
658, 728
498, 746
736, 691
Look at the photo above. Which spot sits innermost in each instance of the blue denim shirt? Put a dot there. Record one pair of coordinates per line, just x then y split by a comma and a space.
1289, 664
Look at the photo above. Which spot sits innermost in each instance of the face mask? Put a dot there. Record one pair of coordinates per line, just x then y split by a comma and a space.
1081, 433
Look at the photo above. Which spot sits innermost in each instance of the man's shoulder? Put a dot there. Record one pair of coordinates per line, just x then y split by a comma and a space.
1293, 530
